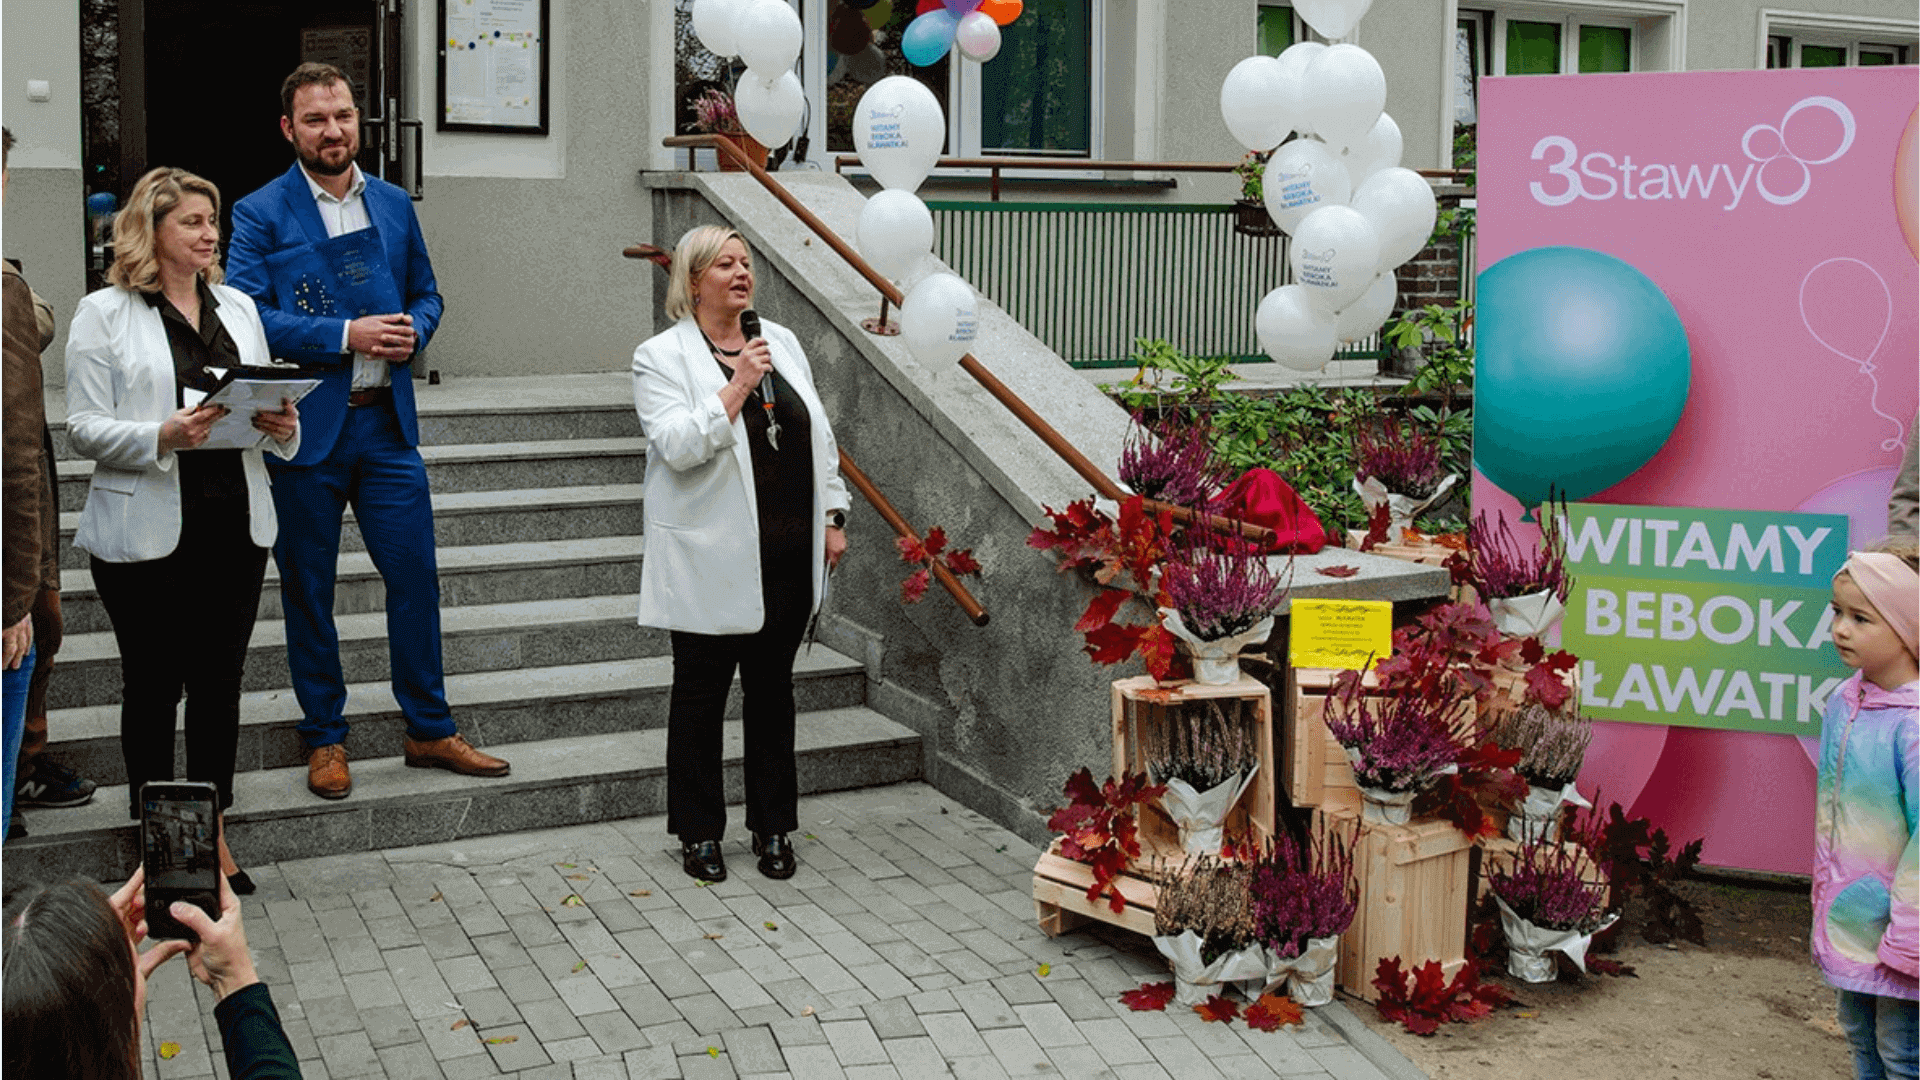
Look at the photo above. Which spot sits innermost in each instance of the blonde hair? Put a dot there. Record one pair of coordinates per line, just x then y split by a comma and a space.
1904, 548
136, 262
691, 256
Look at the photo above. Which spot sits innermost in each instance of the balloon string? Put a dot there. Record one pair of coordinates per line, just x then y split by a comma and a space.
1867, 366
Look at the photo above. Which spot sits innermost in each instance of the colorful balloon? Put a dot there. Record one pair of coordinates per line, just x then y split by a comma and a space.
977, 36
878, 15
1581, 371
848, 32
927, 38
1002, 12
960, 8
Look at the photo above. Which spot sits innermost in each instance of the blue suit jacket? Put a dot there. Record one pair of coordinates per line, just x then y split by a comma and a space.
282, 215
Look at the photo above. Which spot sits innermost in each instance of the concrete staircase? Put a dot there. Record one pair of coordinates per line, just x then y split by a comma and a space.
537, 513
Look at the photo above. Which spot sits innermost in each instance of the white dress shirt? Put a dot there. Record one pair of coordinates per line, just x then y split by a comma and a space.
340, 216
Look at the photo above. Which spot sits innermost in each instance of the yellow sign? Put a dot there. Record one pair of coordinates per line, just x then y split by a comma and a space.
1340, 633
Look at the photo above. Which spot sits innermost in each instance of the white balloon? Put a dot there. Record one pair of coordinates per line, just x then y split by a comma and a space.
713, 24
1346, 90
769, 110
1334, 19
895, 232
1301, 177
1294, 61
767, 33
1381, 149
1400, 204
1253, 103
1361, 318
1293, 331
898, 131
940, 319
1335, 253
978, 36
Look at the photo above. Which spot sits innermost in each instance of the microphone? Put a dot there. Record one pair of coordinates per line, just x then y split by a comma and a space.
750, 329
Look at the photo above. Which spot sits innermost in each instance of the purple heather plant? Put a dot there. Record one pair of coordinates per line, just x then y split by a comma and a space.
1404, 459
1403, 740
1499, 566
1170, 461
1302, 892
713, 112
1554, 885
1221, 585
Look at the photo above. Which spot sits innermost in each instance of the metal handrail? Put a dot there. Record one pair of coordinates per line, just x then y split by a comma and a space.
996, 164
1002, 393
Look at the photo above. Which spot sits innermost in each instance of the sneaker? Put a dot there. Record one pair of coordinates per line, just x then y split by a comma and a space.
53, 785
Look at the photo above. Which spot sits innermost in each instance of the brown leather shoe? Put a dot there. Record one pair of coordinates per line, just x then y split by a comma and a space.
327, 772
455, 754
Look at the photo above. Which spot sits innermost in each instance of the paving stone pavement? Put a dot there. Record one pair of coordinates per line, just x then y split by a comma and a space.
906, 948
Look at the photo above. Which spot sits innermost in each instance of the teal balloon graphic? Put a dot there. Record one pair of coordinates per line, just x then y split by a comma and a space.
1581, 370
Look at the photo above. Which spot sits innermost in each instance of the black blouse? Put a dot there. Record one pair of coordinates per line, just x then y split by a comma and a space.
783, 477
206, 476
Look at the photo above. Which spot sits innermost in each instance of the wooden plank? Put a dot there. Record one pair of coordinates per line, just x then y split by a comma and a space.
1412, 898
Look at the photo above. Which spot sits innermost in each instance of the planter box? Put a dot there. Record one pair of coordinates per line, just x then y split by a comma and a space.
1314, 769
1140, 704
1413, 882
1060, 896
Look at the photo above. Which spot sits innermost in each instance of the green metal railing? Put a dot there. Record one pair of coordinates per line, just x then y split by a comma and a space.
1089, 278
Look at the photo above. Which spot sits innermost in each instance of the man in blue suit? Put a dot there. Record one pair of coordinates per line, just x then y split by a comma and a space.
360, 437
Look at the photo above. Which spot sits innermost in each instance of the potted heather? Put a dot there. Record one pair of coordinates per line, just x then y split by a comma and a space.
1170, 461
1552, 898
1203, 926
1524, 585
1223, 592
1553, 746
1398, 743
713, 112
1205, 759
1397, 466
1302, 899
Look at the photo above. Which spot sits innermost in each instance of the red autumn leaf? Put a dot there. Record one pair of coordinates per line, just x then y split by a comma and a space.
1547, 687
1532, 651
1156, 648
1273, 1011
1081, 788
914, 589
1603, 966
1151, 997
962, 561
1113, 643
1101, 610
1217, 1010
910, 549
1342, 571
1377, 525
936, 540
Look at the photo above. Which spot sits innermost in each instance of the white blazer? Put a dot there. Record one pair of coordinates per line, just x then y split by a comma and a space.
120, 388
701, 573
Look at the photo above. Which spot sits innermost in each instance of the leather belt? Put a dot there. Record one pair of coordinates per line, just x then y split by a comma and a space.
373, 395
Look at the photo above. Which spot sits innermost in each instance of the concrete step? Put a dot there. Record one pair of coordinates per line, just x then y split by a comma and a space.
493, 708
481, 637
482, 574
462, 467
555, 782
472, 518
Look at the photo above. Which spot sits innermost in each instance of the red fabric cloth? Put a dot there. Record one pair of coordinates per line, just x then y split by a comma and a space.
1262, 498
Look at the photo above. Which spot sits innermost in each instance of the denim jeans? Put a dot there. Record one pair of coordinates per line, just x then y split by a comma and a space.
13, 722
1882, 1031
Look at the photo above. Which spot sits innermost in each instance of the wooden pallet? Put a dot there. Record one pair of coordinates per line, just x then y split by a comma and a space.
1314, 768
1060, 896
1140, 701
1413, 882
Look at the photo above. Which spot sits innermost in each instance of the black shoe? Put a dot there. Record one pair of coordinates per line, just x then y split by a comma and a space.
54, 786
776, 855
241, 884
16, 827
702, 859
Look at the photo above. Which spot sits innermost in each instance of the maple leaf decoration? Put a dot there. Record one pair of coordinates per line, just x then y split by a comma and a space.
1121, 555
1377, 525
1217, 1010
1432, 1000
929, 553
1272, 1012
1337, 571
1150, 997
1098, 828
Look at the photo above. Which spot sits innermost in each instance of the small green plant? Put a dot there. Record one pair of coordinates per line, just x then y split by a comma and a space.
1251, 171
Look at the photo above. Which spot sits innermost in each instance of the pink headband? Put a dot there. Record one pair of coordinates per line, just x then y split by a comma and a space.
1892, 587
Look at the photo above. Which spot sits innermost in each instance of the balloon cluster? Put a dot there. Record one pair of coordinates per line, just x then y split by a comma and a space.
973, 25
766, 35
851, 26
1337, 189
899, 130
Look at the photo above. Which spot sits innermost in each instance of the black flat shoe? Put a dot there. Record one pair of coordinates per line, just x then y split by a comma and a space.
241, 884
776, 855
702, 859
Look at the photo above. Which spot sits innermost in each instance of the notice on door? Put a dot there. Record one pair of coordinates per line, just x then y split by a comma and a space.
493, 65
349, 48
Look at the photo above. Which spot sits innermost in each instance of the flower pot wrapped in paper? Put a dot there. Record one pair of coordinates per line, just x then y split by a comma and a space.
1553, 746
1552, 899
1524, 584
1398, 742
1205, 756
1216, 661
1396, 466
1303, 899
1203, 926
1223, 592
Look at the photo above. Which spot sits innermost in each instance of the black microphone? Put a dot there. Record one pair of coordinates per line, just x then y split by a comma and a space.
750, 329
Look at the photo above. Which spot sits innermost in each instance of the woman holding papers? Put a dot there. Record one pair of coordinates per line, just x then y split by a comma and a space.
745, 513
179, 535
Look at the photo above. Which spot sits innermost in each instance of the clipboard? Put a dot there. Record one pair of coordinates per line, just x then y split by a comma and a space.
245, 391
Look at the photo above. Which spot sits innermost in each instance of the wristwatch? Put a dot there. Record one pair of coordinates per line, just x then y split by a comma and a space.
836, 519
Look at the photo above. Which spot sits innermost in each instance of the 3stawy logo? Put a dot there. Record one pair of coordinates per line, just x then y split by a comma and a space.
1780, 159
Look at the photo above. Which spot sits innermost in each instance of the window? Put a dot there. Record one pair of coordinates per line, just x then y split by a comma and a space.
1532, 43
1787, 51
1791, 39
1276, 30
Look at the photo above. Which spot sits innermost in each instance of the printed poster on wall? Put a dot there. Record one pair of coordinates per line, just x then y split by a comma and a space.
1697, 320
493, 66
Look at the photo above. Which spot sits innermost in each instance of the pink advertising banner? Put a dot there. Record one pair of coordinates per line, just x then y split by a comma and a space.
1699, 317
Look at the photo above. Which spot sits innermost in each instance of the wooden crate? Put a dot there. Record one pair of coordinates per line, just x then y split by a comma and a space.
1510, 691
1141, 701
1060, 896
1314, 767
1413, 899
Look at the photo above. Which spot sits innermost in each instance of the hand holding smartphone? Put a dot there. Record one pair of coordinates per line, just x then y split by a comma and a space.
180, 851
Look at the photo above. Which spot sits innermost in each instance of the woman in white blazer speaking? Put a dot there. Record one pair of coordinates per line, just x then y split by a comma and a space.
179, 535
745, 514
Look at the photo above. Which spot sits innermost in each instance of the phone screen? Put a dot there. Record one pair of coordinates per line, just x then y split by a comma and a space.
179, 838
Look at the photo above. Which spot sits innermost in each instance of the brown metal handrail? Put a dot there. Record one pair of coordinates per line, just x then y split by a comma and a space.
1046, 432
996, 164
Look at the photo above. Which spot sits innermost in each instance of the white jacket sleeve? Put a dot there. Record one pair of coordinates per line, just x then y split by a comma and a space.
684, 428
101, 401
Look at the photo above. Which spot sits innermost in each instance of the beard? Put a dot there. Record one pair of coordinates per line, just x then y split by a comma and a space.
319, 166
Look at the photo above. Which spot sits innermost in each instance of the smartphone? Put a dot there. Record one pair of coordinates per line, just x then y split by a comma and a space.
179, 846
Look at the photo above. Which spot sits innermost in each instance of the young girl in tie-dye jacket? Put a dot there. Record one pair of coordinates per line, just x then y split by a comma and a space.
1866, 930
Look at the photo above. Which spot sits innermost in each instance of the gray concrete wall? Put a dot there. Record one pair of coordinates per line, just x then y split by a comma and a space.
1007, 710
1412, 39
45, 214
1725, 34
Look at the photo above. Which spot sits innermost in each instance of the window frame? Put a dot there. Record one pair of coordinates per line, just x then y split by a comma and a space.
1569, 20
1851, 32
